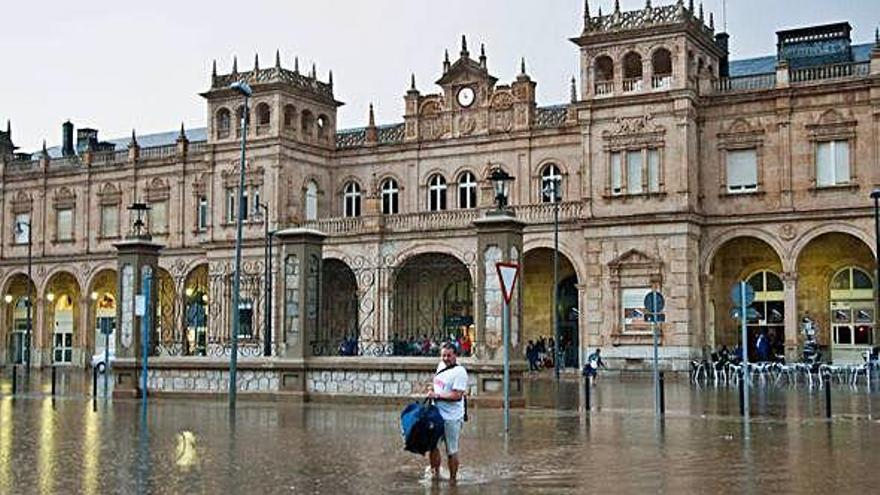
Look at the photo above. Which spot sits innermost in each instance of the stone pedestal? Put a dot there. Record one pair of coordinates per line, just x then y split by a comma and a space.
499, 239
299, 295
138, 258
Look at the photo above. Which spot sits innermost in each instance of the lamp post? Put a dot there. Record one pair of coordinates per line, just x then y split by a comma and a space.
267, 277
19, 229
552, 190
875, 195
244, 89
501, 181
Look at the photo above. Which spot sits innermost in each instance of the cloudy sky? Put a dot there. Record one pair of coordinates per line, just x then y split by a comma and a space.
119, 65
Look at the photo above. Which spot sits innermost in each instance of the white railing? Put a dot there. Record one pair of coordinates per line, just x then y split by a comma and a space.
604, 88
632, 84
336, 226
663, 81
164, 151
834, 71
436, 220
746, 83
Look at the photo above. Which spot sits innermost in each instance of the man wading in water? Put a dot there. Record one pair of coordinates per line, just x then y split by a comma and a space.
450, 385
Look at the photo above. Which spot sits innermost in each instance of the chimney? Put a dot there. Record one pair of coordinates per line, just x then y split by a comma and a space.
721, 41
67, 139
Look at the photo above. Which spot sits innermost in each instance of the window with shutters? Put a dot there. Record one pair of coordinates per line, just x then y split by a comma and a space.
64, 224
832, 163
635, 171
742, 170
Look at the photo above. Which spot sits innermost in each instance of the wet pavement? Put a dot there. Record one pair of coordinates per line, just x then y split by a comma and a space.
71, 444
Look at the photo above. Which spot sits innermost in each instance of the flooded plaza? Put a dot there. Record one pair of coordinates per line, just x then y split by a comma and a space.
72, 444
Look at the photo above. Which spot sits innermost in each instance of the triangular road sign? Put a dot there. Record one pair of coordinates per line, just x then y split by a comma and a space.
507, 275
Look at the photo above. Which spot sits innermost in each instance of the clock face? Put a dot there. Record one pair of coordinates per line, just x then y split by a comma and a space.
466, 96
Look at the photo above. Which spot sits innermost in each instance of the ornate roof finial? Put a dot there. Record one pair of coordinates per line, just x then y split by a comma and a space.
314, 71
296, 65
616, 6
701, 11
483, 55
330, 79
412, 82
9, 128
277, 58
446, 61
876, 36
182, 134
45, 151
647, 4
522, 66
464, 50
372, 118
133, 141
574, 94
711, 21
214, 69
234, 64
691, 6
600, 11
586, 13
256, 62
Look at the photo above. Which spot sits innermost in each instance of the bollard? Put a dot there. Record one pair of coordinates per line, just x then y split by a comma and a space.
53, 380
95, 381
742, 402
14, 379
662, 393
828, 397
587, 405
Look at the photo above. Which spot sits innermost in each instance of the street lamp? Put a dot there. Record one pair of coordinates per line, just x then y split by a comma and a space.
244, 89
501, 181
875, 195
552, 190
19, 229
267, 263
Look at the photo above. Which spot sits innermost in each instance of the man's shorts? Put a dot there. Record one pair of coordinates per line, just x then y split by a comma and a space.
451, 432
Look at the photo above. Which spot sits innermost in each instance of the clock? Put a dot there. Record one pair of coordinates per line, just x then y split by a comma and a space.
466, 96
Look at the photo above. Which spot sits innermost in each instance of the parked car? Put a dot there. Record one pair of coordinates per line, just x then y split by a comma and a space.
98, 361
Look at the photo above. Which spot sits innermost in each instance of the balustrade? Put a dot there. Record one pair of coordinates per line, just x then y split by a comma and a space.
604, 88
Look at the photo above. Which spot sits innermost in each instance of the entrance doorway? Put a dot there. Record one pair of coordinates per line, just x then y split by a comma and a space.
62, 337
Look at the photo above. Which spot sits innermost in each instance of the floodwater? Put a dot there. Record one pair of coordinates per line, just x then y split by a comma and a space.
71, 444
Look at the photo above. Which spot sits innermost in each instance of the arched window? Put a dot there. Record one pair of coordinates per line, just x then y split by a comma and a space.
632, 72
311, 201
289, 117
768, 317
352, 199
852, 309
661, 65
224, 123
239, 115
264, 118
436, 193
467, 190
551, 184
390, 197
307, 124
323, 126
604, 74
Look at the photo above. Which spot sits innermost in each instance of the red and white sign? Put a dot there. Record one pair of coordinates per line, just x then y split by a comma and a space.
507, 275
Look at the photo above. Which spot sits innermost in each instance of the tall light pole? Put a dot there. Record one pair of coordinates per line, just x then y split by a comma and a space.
875, 195
244, 90
19, 228
552, 190
267, 277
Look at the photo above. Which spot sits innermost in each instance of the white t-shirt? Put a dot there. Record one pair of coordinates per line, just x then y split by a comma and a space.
454, 379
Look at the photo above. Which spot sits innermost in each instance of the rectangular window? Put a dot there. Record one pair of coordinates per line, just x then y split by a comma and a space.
244, 206
109, 220
634, 172
832, 163
230, 205
632, 301
653, 170
742, 170
202, 222
616, 174
158, 217
257, 200
21, 229
64, 224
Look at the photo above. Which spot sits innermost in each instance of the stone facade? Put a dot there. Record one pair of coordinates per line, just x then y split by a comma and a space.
679, 169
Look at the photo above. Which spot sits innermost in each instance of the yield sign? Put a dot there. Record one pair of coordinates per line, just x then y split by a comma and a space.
507, 275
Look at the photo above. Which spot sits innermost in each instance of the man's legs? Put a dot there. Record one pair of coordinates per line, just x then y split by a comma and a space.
453, 466
435, 463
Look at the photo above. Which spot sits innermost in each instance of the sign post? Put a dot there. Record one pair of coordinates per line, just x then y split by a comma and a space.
743, 295
106, 329
507, 275
654, 304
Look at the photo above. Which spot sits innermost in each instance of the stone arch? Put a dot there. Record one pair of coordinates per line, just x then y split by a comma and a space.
223, 122
502, 100
263, 113
432, 296
323, 126
827, 228
430, 108
603, 68
196, 309
307, 123
632, 64
661, 61
289, 117
45, 279
545, 241
101, 296
340, 327
715, 243
62, 331
16, 287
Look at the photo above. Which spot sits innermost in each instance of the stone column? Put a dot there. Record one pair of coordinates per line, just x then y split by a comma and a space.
136, 256
791, 317
499, 238
299, 296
